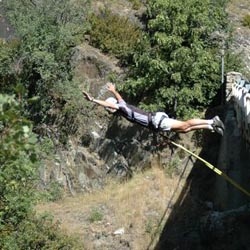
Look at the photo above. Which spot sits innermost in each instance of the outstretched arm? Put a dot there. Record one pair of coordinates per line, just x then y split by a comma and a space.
112, 89
99, 102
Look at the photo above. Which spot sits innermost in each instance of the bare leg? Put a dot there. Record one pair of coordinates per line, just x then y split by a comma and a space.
192, 124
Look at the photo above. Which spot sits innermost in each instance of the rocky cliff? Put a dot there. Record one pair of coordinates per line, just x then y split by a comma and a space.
103, 144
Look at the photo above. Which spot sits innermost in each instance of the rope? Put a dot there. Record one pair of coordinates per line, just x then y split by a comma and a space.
209, 165
213, 168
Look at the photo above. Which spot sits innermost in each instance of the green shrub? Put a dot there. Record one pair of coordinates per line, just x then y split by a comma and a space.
19, 228
9, 67
47, 32
18, 163
95, 215
179, 71
54, 191
150, 226
246, 20
136, 4
38, 233
114, 34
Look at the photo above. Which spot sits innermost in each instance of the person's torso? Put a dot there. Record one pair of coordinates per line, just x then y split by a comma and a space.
133, 113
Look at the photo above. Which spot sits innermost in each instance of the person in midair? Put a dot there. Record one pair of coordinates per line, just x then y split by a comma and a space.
158, 121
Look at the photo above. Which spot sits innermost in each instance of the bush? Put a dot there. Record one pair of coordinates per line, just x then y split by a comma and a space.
18, 163
95, 215
179, 72
136, 4
54, 191
47, 32
9, 66
19, 229
114, 34
38, 233
246, 21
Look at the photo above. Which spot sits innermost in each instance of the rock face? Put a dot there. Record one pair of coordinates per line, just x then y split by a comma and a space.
241, 34
104, 145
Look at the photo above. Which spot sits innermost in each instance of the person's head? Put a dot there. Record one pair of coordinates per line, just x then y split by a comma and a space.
111, 100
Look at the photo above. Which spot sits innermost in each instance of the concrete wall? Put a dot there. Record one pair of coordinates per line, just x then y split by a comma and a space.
241, 100
234, 157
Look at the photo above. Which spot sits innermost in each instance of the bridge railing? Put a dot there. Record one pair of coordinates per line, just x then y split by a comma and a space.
238, 91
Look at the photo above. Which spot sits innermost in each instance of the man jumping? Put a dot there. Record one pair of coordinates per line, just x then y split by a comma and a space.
158, 120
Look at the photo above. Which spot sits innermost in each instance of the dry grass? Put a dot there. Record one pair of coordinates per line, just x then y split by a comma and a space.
137, 206
238, 9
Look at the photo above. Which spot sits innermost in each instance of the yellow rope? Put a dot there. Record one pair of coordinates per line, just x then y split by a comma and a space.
216, 170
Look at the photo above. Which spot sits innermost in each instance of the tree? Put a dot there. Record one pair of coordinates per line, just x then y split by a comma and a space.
47, 30
9, 67
18, 163
178, 69
19, 227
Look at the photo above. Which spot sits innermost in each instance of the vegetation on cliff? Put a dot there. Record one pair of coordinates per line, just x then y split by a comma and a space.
172, 60
177, 67
19, 228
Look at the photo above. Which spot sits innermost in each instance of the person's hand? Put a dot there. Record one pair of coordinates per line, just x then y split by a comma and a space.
87, 96
111, 87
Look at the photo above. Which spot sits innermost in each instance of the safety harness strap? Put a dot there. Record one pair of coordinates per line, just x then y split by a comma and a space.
150, 122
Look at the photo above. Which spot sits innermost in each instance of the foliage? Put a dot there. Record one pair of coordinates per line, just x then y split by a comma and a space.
47, 148
95, 215
136, 4
179, 68
114, 34
18, 163
54, 192
150, 226
9, 65
71, 105
19, 228
233, 61
47, 31
38, 233
246, 20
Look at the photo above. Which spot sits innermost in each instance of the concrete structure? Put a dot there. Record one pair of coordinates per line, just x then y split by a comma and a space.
241, 100
234, 159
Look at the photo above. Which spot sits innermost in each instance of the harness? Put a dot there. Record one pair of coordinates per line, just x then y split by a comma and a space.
150, 122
